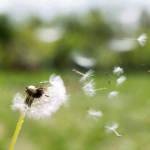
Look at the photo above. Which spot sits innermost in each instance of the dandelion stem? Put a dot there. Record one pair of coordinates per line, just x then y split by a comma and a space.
16, 132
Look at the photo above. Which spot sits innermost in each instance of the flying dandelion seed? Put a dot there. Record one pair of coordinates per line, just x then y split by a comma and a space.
117, 70
89, 88
113, 94
112, 128
95, 114
120, 80
86, 75
141, 39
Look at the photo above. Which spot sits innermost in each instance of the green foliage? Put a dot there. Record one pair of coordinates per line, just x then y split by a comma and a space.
89, 35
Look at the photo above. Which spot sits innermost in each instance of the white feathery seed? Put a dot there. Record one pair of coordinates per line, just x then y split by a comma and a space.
112, 128
94, 114
113, 94
54, 96
142, 39
87, 75
120, 80
117, 70
89, 88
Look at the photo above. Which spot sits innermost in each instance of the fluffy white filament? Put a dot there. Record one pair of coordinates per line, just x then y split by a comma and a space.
112, 128
113, 94
117, 70
142, 39
46, 105
121, 80
89, 88
94, 114
44, 82
86, 75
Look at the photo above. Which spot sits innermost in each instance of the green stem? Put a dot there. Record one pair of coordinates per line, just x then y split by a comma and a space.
16, 132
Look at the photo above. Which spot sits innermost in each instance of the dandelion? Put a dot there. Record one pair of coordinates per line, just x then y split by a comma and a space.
113, 94
120, 80
94, 114
141, 39
85, 76
117, 70
40, 102
113, 128
89, 88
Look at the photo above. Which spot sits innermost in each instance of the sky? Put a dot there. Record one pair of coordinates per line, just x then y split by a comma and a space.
47, 9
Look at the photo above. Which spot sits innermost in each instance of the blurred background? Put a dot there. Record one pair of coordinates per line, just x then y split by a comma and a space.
38, 38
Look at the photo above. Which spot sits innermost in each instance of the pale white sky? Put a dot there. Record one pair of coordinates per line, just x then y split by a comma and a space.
20, 9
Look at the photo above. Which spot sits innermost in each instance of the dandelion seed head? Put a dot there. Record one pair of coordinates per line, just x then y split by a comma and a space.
87, 75
117, 70
50, 101
142, 39
32, 88
121, 80
113, 94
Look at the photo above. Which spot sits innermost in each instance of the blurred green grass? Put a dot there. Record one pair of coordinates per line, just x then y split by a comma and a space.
68, 128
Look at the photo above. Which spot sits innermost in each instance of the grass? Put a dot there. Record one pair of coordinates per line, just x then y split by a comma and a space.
68, 128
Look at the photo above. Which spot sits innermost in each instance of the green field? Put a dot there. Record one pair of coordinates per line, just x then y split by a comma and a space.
68, 128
